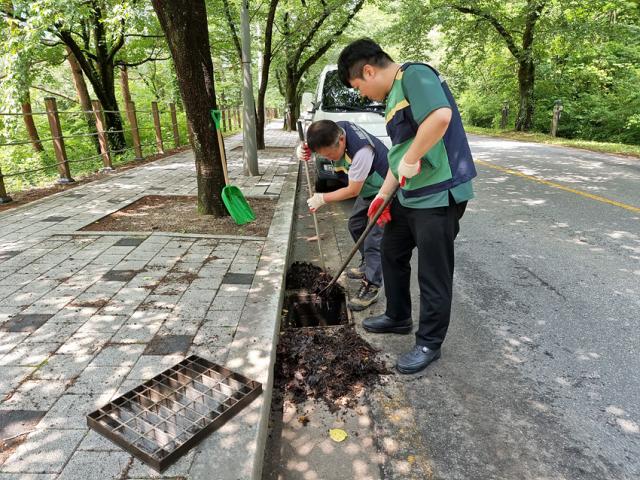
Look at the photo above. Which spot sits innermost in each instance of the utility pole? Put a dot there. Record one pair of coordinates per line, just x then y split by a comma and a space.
250, 150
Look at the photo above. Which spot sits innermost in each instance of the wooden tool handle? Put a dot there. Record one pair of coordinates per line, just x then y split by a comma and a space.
223, 158
355, 248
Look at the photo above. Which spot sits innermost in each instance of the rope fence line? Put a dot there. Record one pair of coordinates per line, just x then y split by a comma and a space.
165, 124
75, 135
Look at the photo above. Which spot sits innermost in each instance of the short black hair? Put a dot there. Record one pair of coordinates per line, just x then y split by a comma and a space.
323, 133
358, 54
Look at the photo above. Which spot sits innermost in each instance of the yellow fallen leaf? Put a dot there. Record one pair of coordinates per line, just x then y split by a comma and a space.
411, 459
338, 435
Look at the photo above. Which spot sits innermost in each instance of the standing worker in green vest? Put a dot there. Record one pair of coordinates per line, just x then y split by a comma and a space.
431, 160
360, 159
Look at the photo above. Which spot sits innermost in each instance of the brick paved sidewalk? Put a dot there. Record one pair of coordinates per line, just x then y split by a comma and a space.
86, 316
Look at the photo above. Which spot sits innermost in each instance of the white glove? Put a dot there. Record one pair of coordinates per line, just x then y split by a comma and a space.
303, 152
316, 202
407, 170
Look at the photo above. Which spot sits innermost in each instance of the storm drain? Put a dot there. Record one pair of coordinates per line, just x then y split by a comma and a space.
161, 419
309, 310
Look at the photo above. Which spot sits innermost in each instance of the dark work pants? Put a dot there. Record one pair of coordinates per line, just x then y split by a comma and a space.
432, 231
370, 248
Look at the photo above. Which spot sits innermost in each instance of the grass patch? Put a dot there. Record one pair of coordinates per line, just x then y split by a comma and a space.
601, 147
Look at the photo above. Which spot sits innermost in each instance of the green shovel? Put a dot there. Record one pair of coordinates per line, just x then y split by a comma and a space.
232, 197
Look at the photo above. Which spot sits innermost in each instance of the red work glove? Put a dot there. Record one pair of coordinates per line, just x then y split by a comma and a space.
385, 217
303, 152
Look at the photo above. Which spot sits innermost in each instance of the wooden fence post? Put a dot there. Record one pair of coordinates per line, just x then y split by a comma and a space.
58, 142
4, 198
174, 124
156, 123
135, 133
505, 115
102, 136
557, 112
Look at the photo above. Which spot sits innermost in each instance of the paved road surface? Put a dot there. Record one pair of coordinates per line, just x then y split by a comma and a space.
540, 372
539, 377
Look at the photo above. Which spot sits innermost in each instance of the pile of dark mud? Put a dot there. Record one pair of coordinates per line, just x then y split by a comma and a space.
309, 277
333, 365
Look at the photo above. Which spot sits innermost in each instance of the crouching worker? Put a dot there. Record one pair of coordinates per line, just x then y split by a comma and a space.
363, 159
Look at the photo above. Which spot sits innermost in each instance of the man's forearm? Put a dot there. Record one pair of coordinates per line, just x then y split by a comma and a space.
350, 191
430, 131
389, 184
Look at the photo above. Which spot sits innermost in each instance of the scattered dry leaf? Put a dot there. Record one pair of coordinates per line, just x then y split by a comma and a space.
338, 435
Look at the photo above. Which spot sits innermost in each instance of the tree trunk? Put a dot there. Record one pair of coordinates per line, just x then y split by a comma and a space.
291, 97
175, 88
526, 76
30, 125
260, 123
100, 75
113, 120
296, 67
83, 95
188, 38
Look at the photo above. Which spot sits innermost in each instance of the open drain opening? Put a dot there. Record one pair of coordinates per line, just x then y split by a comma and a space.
306, 309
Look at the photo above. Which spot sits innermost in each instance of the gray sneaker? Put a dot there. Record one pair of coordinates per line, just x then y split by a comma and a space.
356, 273
417, 359
367, 295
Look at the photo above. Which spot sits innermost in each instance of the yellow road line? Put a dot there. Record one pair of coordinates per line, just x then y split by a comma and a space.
598, 198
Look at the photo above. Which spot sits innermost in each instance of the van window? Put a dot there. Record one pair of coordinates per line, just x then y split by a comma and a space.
337, 97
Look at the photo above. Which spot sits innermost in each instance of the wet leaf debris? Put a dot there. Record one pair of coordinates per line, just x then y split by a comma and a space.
332, 365
309, 277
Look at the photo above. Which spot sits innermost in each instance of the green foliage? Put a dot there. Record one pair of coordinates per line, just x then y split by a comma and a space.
586, 54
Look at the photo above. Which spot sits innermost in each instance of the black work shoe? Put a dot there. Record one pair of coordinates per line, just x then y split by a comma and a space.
417, 359
384, 324
356, 273
367, 295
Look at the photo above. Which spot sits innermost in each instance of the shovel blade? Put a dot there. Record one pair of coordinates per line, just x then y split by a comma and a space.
237, 205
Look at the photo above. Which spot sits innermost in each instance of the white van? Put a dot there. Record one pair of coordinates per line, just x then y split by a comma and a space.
334, 101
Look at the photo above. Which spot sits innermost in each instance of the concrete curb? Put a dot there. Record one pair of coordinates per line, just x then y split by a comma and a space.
236, 450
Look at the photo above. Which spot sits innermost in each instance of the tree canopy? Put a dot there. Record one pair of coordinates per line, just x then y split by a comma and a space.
526, 54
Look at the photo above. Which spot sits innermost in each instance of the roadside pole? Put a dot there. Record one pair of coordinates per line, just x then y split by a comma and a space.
250, 150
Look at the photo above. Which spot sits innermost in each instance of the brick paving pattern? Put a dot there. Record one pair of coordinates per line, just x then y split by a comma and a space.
86, 316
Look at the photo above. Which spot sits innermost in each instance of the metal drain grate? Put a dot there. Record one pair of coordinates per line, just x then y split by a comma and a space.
159, 420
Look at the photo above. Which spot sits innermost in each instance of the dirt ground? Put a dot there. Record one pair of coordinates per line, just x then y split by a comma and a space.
173, 213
